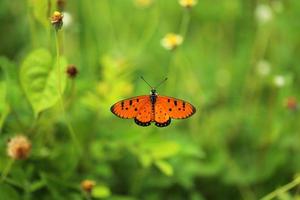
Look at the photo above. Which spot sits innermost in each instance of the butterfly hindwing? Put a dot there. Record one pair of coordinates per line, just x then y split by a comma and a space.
129, 108
176, 108
145, 114
161, 116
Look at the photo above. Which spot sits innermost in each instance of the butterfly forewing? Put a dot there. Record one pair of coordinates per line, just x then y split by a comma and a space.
176, 108
129, 108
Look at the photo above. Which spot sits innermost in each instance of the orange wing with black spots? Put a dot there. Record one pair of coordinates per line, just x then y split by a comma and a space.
160, 110
174, 108
161, 115
129, 108
145, 114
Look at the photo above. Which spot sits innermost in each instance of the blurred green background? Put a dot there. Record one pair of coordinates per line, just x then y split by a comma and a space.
238, 64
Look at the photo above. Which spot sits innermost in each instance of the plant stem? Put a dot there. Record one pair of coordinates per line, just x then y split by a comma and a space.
59, 89
183, 28
6, 170
282, 189
184, 23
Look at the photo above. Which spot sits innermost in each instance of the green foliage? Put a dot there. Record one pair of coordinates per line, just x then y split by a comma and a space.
4, 109
238, 64
101, 191
40, 80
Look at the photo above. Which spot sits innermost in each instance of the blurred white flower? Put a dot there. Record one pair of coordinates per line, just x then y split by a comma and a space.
67, 19
279, 81
263, 68
187, 3
171, 41
263, 13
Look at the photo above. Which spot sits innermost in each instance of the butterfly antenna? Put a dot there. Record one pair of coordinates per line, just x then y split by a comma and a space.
161, 82
146, 81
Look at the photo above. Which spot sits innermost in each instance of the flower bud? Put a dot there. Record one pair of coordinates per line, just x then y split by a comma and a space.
18, 147
72, 71
57, 20
171, 41
88, 185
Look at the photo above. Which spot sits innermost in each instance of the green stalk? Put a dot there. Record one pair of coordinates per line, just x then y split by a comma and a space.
59, 89
183, 28
185, 23
282, 189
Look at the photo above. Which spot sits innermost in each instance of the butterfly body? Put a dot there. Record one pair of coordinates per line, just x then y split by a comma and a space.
153, 108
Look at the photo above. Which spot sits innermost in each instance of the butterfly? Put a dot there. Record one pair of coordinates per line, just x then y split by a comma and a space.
153, 108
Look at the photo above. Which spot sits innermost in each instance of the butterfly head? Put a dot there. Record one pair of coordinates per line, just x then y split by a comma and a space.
153, 91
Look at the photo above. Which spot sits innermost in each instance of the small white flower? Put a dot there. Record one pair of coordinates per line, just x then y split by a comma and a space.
279, 81
67, 19
263, 14
263, 68
171, 41
187, 3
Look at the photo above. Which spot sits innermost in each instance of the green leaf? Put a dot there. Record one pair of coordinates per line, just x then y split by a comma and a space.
40, 11
4, 108
163, 150
7, 192
37, 185
164, 167
40, 80
145, 160
101, 191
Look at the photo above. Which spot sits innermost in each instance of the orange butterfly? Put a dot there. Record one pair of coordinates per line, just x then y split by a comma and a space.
153, 108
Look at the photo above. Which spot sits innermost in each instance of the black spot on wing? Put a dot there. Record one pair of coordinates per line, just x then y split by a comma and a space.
130, 102
141, 123
164, 124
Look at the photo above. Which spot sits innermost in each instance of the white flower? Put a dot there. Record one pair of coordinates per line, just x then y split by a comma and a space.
187, 3
279, 81
67, 19
263, 14
263, 68
171, 41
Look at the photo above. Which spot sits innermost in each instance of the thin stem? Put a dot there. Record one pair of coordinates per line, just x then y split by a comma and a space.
183, 28
58, 64
61, 103
72, 93
185, 23
112, 27
282, 189
148, 32
6, 170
